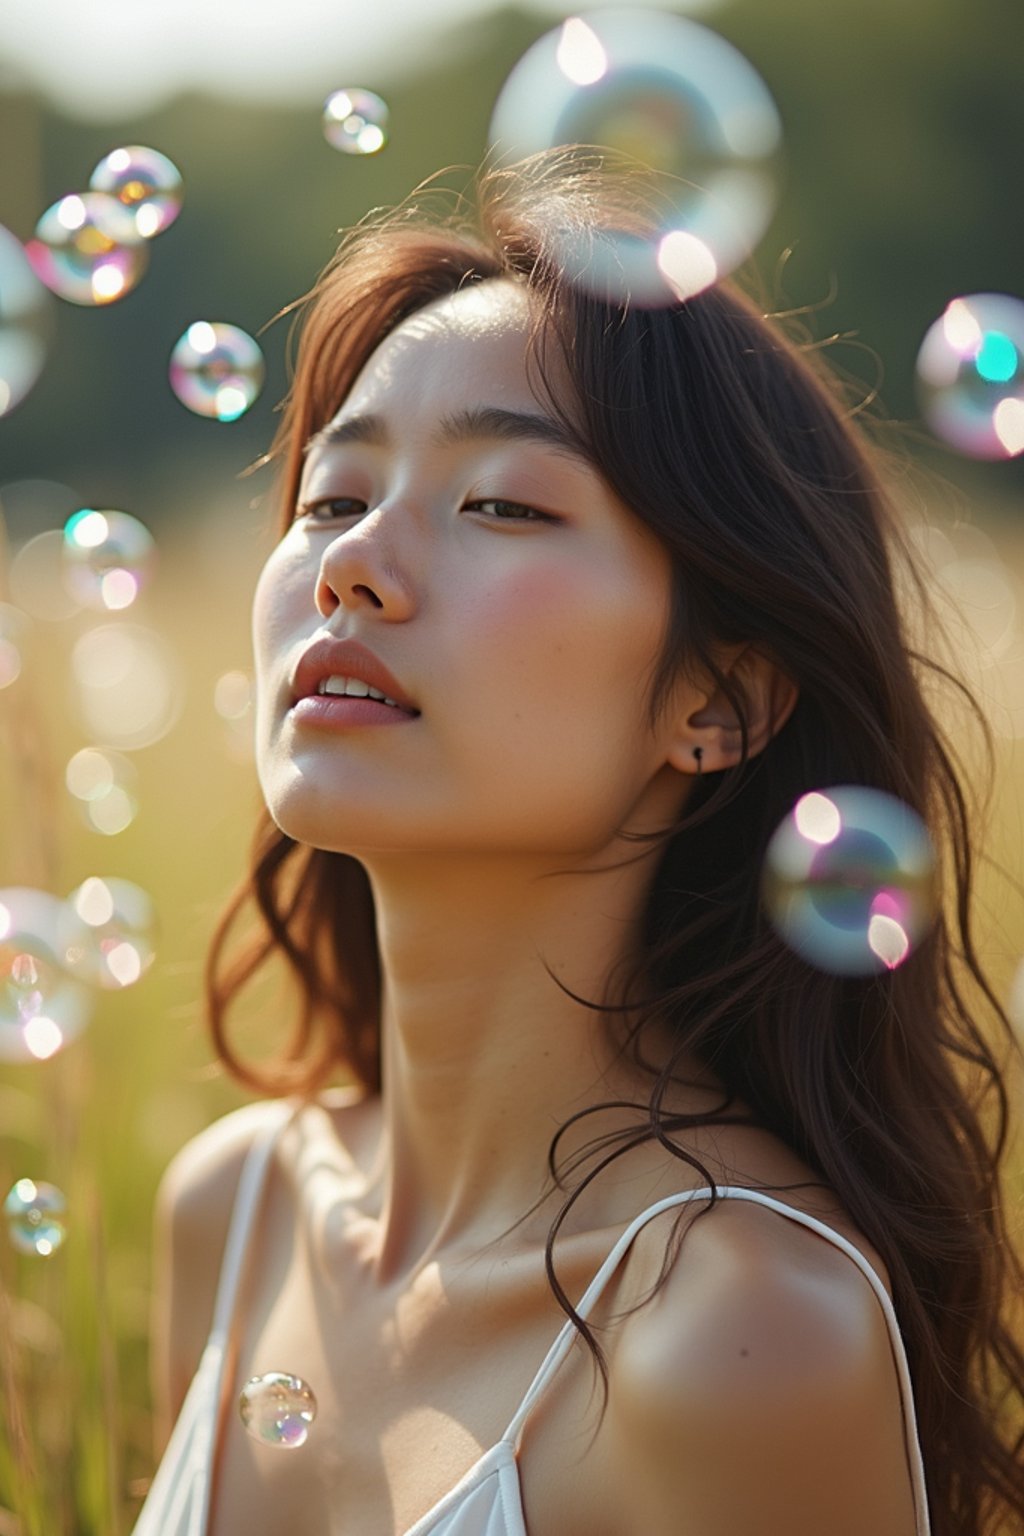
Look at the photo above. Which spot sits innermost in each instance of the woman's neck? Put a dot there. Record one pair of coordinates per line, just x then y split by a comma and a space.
483, 1056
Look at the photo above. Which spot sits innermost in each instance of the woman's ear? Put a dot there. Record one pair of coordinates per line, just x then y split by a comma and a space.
769, 697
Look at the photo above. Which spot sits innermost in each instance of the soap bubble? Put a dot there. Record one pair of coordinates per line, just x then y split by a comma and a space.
107, 929
217, 370
277, 1409
88, 250
108, 558
145, 182
25, 321
103, 784
126, 684
42, 1008
670, 93
33, 1211
970, 375
849, 880
356, 121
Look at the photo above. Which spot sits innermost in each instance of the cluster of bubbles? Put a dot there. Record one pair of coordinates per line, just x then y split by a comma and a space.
355, 121
970, 375
91, 247
670, 93
53, 951
849, 880
103, 785
277, 1409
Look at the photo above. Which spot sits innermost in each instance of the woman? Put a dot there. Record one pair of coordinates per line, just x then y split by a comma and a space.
620, 581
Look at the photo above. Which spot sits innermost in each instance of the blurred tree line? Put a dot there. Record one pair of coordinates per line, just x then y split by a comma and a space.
903, 130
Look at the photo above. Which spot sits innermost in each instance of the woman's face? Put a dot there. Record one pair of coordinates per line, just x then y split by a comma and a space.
518, 603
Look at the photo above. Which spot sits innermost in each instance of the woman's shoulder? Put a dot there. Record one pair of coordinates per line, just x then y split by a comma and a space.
766, 1337
200, 1183
192, 1216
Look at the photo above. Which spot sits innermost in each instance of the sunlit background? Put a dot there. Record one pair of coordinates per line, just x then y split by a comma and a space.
140, 368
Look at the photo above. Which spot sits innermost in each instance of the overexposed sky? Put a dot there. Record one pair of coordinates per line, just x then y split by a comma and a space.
104, 59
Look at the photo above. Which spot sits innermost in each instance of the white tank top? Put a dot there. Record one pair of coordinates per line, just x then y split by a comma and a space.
487, 1501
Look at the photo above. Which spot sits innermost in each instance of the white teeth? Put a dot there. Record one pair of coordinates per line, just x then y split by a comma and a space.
354, 687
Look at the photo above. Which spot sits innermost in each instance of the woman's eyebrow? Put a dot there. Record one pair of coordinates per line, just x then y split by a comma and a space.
460, 426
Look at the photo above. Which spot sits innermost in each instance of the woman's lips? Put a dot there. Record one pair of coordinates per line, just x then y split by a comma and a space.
342, 710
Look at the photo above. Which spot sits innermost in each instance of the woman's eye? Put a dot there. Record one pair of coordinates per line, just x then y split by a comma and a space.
331, 506
507, 511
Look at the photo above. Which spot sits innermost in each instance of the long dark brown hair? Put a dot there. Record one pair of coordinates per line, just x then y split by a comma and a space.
724, 434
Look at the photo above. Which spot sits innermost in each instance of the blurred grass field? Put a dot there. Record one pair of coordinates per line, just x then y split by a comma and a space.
101, 1119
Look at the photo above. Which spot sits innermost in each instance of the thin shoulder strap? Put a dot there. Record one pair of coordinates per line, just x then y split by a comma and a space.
250, 1189
568, 1335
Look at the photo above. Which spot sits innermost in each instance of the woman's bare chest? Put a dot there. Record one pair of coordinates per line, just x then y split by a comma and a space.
410, 1391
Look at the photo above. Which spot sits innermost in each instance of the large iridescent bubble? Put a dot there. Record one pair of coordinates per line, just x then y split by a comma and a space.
217, 370
849, 880
42, 1007
145, 182
88, 250
25, 322
670, 93
356, 121
970, 375
277, 1409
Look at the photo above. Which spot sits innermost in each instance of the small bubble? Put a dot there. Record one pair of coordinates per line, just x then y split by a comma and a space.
356, 121
849, 880
107, 932
87, 249
145, 182
108, 558
217, 370
33, 1211
277, 1409
970, 375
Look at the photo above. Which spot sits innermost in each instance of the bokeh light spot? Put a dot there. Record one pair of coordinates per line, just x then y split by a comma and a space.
355, 121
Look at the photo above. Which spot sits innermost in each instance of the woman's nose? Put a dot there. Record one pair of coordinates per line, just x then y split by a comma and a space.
358, 570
